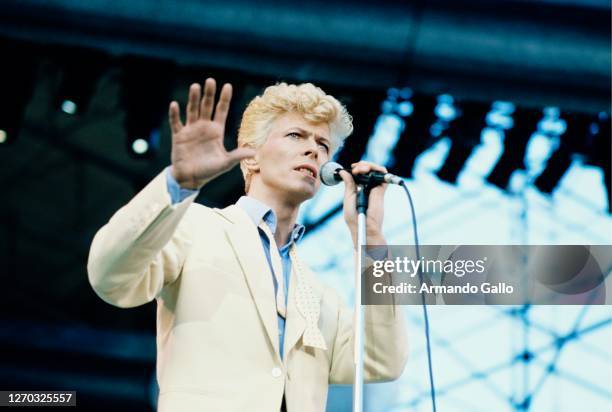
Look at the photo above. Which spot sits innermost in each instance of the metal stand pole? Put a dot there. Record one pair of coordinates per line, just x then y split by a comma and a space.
362, 206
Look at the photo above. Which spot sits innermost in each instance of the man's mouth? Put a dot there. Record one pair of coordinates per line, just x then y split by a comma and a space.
307, 170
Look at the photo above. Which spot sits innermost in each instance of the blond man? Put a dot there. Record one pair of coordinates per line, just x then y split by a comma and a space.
242, 323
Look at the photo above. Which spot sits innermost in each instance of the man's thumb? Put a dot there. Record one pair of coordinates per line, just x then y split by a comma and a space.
240, 153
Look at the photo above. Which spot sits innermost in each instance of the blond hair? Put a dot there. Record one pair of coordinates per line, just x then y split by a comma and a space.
305, 99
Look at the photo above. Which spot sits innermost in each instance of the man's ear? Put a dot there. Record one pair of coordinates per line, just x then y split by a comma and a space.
252, 163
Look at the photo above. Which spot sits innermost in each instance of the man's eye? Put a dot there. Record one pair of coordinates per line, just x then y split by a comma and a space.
326, 147
293, 134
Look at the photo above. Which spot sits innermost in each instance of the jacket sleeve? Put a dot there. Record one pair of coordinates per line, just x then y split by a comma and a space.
141, 248
385, 349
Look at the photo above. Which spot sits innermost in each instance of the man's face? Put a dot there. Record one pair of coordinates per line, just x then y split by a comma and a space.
290, 159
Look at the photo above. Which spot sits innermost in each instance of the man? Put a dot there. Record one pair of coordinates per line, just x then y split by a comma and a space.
242, 324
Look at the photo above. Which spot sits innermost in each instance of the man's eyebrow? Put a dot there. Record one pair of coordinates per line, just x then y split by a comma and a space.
303, 131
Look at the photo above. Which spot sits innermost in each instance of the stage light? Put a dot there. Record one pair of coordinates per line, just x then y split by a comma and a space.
69, 107
365, 107
552, 124
500, 116
81, 69
415, 136
524, 124
599, 147
572, 143
445, 109
464, 133
16, 84
388, 127
140, 146
145, 93
405, 108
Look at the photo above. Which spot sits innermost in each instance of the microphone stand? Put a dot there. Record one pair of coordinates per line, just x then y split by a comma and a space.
362, 207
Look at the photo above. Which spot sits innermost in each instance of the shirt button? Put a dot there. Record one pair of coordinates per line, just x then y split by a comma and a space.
276, 372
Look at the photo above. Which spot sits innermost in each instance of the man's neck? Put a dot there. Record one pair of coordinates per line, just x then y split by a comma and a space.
286, 214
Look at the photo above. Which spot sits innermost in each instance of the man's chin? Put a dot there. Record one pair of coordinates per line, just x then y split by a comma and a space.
301, 194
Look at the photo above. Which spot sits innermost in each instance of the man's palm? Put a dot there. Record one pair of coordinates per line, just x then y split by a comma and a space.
198, 153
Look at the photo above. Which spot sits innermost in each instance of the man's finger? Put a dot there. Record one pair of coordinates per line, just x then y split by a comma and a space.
206, 109
193, 104
174, 118
366, 167
378, 191
223, 104
349, 182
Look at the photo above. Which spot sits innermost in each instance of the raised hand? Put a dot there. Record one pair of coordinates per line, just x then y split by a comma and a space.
198, 153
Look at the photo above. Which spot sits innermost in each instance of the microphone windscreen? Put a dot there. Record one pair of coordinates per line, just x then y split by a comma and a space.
329, 175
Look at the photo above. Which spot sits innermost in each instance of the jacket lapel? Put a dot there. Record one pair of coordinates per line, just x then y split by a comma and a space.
247, 247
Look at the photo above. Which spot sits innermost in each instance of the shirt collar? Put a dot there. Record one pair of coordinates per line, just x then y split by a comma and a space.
259, 211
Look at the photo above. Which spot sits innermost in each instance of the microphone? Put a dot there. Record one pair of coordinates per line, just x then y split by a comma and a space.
330, 176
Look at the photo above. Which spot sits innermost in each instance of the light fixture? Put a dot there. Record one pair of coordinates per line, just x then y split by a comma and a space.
572, 142
415, 136
464, 133
146, 92
16, 83
81, 69
524, 124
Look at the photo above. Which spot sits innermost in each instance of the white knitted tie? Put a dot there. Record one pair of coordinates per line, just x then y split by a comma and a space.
308, 304
277, 270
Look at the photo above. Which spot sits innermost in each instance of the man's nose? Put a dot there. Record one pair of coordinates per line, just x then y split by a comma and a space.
311, 149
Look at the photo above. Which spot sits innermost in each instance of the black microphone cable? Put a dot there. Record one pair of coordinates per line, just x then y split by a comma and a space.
424, 304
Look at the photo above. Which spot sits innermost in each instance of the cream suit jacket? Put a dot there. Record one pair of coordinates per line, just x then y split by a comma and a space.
217, 332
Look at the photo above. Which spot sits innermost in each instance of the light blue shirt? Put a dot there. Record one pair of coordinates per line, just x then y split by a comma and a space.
257, 211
